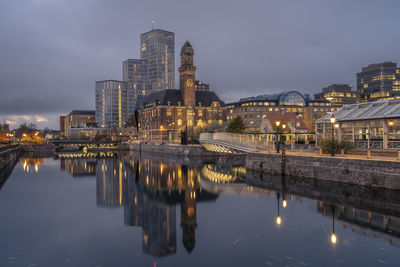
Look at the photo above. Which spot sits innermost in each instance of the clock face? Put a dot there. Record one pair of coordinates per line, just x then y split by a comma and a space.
189, 82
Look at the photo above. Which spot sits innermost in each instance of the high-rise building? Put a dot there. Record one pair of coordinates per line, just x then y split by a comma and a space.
111, 103
378, 82
337, 94
158, 48
134, 73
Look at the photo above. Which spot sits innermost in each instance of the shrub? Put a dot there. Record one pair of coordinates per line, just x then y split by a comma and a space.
326, 146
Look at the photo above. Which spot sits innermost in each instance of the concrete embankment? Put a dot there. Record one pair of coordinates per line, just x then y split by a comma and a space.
8, 158
41, 150
187, 153
366, 172
378, 200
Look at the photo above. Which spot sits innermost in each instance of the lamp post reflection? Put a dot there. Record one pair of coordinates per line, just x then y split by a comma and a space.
333, 235
278, 218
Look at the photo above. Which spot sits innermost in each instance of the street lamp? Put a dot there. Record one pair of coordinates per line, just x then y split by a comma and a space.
333, 120
277, 123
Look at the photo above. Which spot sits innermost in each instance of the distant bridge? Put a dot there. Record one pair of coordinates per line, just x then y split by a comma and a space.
82, 144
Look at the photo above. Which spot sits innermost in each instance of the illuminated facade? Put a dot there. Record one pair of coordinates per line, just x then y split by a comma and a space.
111, 103
338, 94
77, 119
260, 113
378, 82
157, 47
170, 111
134, 73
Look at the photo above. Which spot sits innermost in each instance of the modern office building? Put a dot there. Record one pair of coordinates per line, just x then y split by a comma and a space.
171, 110
259, 113
157, 47
111, 103
337, 94
76, 119
378, 82
134, 73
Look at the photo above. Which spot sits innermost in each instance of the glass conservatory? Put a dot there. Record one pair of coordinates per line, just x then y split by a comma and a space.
371, 125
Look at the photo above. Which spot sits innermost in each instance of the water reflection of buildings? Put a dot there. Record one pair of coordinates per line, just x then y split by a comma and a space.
79, 167
364, 222
32, 164
149, 191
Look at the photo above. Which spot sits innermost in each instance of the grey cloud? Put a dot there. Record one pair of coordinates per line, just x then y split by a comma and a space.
52, 52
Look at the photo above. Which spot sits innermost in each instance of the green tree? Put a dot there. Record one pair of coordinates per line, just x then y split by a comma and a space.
98, 138
131, 121
236, 125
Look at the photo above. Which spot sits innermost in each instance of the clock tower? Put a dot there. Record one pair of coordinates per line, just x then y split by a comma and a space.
187, 75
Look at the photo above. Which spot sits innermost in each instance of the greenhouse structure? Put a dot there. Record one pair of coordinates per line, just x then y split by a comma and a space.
371, 125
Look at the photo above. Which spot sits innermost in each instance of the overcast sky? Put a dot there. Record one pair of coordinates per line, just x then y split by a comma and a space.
52, 52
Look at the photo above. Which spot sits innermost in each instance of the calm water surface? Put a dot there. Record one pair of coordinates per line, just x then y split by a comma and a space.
126, 211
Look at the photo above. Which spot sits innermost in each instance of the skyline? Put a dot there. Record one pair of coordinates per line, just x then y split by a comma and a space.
51, 60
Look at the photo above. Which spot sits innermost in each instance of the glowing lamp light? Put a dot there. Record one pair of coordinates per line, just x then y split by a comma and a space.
333, 239
284, 203
390, 123
284, 126
332, 119
277, 123
278, 220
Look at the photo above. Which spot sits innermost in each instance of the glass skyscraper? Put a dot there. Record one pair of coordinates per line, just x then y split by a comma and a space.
157, 47
134, 73
111, 103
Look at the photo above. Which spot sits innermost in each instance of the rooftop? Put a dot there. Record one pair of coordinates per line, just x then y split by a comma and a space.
366, 111
173, 96
82, 112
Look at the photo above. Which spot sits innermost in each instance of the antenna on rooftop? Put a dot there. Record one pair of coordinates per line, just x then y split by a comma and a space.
152, 25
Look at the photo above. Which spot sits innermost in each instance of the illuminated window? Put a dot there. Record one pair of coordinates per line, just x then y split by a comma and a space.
179, 122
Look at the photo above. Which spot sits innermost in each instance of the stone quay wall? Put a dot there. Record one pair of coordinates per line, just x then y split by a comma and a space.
9, 155
366, 172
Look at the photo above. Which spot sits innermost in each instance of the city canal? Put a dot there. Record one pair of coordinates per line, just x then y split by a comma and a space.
126, 210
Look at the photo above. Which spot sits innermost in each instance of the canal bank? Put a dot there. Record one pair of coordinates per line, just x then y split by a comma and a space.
8, 158
365, 172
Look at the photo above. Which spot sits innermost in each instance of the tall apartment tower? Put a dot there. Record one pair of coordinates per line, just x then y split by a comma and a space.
378, 82
134, 73
157, 47
111, 103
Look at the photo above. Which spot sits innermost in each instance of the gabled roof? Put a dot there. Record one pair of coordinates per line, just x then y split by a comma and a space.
174, 96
